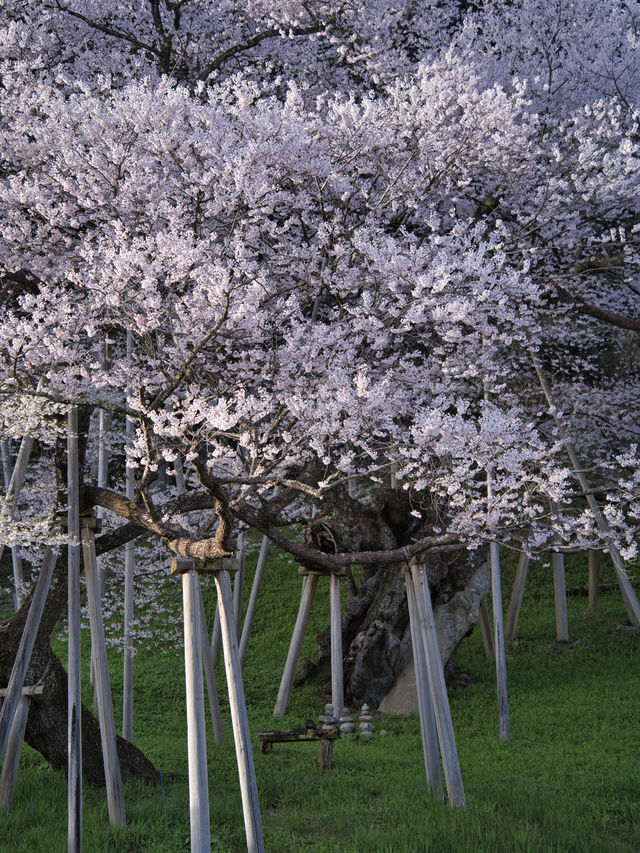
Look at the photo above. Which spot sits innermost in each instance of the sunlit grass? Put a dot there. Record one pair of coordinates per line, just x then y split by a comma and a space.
568, 779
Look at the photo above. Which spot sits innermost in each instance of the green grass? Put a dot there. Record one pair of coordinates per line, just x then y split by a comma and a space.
568, 780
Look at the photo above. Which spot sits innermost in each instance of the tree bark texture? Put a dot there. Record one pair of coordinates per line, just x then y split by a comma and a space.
375, 620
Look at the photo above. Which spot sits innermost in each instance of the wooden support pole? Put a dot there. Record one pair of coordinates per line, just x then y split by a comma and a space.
74, 700
485, 629
560, 597
253, 598
439, 698
209, 672
12, 755
112, 777
337, 676
13, 482
239, 719
129, 572
309, 585
16, 733
425, 704
499, 644
196, 733
516, 598
216, 637
238, 581
629, 596
127, 674
25, 648
594, 580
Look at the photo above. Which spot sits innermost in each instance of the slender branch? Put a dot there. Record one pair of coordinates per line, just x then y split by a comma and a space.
254, 41
110, 31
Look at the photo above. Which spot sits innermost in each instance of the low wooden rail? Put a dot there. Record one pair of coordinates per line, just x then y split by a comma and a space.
324, 737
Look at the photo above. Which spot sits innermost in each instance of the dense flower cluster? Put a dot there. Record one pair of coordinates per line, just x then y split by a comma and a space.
335, 245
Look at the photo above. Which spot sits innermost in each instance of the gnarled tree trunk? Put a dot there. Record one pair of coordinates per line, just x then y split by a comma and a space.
375, 624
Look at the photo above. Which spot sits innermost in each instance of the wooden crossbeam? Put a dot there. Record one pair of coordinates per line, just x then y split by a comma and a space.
32, 690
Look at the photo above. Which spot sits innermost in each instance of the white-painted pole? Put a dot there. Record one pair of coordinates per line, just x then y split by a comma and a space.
207, 657
309, 585
129, 572
196, 732
516, 598
425, 705
239, 719
253, 598
74, 703
560, 597
209, 671
629, 596
499, 644
25, 648
485, 629
594, 580
13, 482
112, 777
440, 700
16, 734
12, 757
238, 581
337, 676
216, 637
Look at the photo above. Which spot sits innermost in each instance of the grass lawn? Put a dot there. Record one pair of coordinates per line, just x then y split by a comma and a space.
568, 780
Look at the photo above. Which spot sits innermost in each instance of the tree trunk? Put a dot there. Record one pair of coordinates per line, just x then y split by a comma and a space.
47, 721
375, 622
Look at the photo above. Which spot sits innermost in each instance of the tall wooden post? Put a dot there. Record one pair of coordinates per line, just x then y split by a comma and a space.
516, 598
337, 677
209, 671
112, 777
129, 572
499, 644
485, 629
309, 584
74, 717
253, 598
594, 580
560, 597
440, 700
239, 719
238, 581
196, 733
425, 704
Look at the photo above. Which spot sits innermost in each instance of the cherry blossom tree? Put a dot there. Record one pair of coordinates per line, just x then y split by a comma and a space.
339, 237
